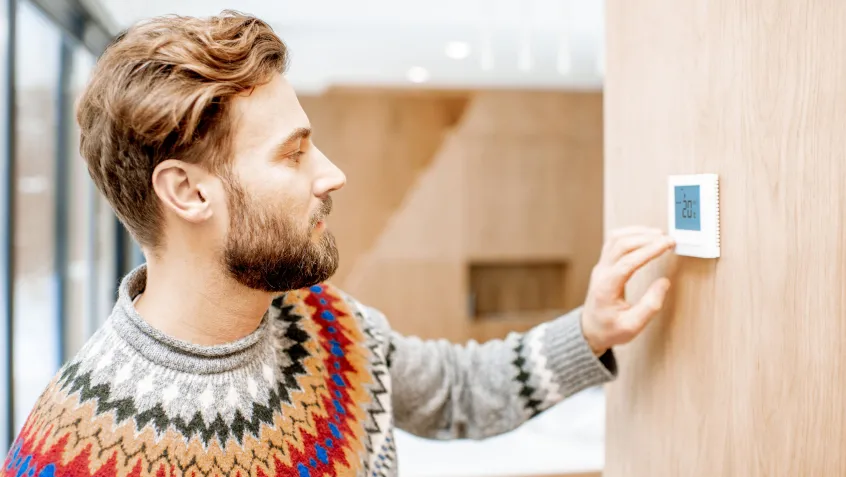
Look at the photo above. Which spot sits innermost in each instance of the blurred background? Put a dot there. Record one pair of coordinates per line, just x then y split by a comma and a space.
471, 135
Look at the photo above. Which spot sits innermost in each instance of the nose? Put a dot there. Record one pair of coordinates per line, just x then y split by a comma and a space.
329, 177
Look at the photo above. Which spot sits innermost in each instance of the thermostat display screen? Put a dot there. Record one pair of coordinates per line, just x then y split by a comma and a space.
693, 214
688, 215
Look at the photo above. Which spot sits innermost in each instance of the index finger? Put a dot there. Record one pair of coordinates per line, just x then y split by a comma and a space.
609, 255
625, 245
627, 265
635, 229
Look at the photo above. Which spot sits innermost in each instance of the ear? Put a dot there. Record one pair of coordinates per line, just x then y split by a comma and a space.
181, 188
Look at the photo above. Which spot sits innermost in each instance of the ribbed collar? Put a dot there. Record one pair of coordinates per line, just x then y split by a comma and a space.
173, 353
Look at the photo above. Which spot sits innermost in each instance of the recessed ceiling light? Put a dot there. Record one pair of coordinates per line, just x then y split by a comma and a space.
457, 50
418, 74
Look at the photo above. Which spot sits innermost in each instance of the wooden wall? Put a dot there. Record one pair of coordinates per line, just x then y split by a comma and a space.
743, 374
437, 181
382, 141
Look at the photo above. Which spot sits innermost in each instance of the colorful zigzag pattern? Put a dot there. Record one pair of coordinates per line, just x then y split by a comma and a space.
322, 414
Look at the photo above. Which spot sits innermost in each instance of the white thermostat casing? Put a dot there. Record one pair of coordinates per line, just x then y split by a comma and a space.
693, 213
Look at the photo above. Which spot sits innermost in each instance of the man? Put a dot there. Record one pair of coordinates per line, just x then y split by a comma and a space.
228, 354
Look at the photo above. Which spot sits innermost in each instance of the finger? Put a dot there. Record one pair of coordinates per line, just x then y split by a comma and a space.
633, 261
635, 229
628, 244
621, 234
635, 318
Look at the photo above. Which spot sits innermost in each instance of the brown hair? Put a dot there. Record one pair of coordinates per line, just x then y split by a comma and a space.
162, 90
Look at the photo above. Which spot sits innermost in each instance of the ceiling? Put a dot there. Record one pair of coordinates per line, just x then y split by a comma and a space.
544, 44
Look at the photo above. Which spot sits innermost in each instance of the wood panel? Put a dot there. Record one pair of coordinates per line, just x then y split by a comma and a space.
534, 180
382, 142
517, 179
502, 289
415, 272
517, 196
743, 374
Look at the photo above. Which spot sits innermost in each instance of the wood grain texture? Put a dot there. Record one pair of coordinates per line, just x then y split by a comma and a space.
519, 178
501, 290
743, 374
382, 142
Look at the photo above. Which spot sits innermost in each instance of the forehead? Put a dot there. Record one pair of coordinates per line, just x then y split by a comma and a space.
266, 115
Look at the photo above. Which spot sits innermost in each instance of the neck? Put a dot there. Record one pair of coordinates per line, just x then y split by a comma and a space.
199, 303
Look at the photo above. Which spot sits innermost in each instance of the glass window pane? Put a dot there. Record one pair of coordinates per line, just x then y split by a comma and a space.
5, 233
82, 270
35, 332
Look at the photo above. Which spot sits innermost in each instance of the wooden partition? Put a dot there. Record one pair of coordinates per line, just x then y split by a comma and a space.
382, 140
451, 192
743, 374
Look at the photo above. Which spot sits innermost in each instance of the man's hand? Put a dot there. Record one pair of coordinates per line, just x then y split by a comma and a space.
607, 318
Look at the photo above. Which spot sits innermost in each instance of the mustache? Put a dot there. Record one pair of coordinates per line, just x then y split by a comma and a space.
324, 210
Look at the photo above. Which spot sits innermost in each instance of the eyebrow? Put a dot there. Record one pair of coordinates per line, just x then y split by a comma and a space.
296, 135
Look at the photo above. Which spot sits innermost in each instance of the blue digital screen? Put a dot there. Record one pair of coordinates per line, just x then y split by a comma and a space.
688, 216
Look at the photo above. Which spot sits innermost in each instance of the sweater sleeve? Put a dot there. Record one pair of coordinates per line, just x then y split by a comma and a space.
442, 390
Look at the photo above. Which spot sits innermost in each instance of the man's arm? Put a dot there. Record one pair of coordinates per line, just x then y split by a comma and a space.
445, 391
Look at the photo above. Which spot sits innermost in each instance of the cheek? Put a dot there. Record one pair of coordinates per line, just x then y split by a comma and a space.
282, 208
280, 189
222, 210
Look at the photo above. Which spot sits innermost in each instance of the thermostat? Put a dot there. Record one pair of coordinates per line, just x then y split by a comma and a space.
694, 214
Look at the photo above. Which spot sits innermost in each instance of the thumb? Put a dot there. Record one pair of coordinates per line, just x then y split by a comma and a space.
636, 317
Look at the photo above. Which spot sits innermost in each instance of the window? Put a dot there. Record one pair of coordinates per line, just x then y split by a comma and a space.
6, 193
58, 237
89, 241
36, 333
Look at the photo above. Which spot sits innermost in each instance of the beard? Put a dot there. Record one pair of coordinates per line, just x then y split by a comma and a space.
267, 250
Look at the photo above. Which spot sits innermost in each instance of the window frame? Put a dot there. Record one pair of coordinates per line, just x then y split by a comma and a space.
79, 25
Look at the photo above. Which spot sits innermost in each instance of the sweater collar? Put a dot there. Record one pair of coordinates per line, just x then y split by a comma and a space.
175, 353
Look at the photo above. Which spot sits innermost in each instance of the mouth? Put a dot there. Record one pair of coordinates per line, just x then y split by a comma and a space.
319, 220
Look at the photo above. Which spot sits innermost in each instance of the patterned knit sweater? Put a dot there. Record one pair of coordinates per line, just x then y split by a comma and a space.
316, 390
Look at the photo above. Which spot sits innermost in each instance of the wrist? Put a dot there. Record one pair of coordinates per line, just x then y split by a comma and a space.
594, 343
598, 351
597, 348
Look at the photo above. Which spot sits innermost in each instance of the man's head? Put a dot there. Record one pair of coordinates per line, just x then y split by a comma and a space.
195, 137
